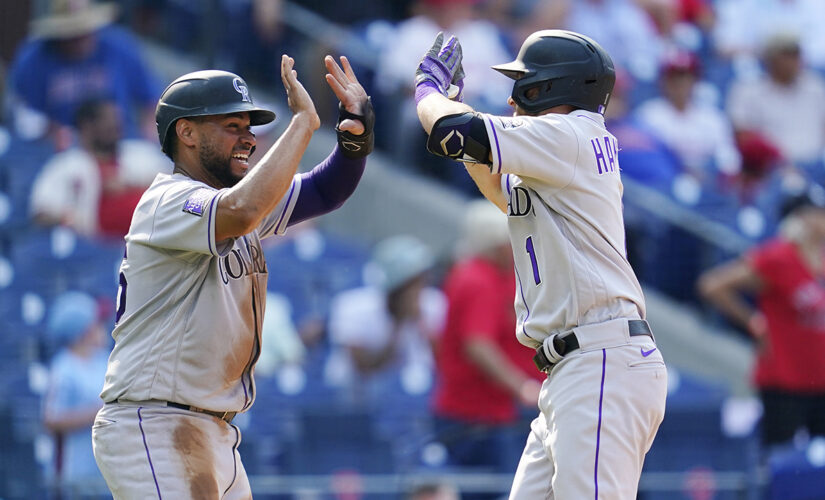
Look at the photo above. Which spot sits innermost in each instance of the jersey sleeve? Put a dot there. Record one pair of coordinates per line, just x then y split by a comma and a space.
543, 147
277, 220
180, 216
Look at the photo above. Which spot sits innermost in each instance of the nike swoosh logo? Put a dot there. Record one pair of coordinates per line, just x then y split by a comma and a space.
646, 353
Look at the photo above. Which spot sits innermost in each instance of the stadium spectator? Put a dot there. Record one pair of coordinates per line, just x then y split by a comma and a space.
75, 329
399, 49
699, 133
623, 28
384, 331
743, 25
94, 187
483, 373
785, 276
786, 104
75, 52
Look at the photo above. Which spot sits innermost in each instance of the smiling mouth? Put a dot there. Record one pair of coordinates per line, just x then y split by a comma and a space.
241, 157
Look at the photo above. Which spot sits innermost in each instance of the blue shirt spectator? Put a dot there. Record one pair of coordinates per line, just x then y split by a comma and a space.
73, 55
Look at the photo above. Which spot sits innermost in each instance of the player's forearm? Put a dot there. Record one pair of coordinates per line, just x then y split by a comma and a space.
327, 186
434, 106
488, 183
257, 194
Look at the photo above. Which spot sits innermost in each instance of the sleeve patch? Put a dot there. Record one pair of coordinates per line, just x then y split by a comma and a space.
197, 201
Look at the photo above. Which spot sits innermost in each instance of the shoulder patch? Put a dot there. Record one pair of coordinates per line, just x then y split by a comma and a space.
197, 201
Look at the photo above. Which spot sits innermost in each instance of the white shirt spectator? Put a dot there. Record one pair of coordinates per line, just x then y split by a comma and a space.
624, 30
69, 186
700, 135
359, 318
482, 42
742, 26
793, 116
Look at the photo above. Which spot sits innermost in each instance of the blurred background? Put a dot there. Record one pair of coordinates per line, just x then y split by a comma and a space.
719, 111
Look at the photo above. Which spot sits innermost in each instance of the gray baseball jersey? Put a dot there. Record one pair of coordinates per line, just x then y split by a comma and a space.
561, 175
190, 308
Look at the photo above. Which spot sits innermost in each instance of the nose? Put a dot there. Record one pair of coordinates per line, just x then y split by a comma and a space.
248, 139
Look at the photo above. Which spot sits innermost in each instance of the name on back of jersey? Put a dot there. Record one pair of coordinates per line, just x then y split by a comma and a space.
606, 152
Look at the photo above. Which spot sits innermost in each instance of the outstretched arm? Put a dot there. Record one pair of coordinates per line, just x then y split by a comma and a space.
328, 185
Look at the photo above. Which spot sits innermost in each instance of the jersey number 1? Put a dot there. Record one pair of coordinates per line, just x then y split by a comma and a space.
531, 251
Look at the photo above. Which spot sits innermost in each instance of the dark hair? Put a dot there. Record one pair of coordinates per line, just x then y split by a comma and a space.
89, 109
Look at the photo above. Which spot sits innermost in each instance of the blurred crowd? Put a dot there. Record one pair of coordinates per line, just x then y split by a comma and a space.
720, 100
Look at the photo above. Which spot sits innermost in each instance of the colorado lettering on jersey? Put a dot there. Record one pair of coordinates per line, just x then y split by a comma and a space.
606, 151
520, 203
236, 265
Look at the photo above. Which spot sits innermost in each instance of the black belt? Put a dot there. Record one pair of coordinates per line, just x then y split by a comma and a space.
570, 343
226, 416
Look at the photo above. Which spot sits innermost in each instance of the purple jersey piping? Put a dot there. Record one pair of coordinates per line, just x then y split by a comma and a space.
524, 301
146, 447
209, 233
286, 205
588, 118
599, 428
498, 149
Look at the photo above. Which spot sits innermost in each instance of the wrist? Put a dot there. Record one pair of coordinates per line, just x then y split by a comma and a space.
424, 89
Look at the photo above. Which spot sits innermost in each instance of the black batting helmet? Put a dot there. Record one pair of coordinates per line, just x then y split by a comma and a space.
565, 67
202, 93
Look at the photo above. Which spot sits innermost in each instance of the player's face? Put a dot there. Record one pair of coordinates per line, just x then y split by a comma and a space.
225, 147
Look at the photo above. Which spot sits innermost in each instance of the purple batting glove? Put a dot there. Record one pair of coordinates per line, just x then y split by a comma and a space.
457, 83
438, 68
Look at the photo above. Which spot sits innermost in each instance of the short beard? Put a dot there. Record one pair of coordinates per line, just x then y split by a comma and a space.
218, 166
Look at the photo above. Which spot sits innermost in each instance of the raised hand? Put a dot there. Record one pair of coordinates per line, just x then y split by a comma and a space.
440, 65
297, 97
345, 86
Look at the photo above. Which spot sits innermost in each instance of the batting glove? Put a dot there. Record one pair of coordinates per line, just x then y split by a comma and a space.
357, 146
456, 90
438, 68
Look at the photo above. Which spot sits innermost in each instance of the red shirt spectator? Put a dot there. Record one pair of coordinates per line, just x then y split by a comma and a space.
793, 303
480, 298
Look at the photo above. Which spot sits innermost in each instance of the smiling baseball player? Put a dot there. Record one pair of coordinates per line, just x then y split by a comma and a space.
193, 278
553, 168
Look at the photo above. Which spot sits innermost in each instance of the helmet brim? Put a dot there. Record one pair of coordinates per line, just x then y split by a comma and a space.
514, 70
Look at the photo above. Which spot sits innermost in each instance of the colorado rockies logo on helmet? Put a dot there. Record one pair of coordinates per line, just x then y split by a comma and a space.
242, 89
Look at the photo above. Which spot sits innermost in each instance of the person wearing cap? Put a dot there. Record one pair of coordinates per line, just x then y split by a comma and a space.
75, 331
785, 276
785, 104
698, 133
75, 52
383, 332
484, 376
193, 279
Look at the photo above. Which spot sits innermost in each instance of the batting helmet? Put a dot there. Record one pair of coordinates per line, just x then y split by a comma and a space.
565, 67
202, 93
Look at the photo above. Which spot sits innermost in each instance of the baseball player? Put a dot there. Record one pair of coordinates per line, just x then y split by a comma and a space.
193, 278
552, 167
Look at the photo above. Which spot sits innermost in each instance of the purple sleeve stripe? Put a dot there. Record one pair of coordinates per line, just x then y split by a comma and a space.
507, 182
146, 447
210, 234
286, 206
498, 149
599, 428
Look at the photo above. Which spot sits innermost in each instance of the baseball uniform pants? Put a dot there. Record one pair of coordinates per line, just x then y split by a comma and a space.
601, 406
148, 451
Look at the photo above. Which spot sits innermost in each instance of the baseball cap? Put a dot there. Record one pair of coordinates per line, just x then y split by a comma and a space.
70, 18
681, 61
813, 196
484, 228
398, 259
70, 316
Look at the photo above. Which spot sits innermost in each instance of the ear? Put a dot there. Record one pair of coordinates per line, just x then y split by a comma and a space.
186, 132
